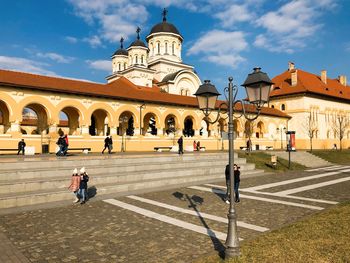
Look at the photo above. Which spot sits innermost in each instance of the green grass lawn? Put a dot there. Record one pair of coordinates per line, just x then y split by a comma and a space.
319, 238
338, 157
263, 161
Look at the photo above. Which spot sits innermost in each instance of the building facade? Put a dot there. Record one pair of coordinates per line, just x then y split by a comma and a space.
147, 102
319, 107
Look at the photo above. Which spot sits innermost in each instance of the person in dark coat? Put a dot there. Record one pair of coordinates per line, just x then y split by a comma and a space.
110, 145
198, 146
21, 146
236, 180
84, 179
62, 144
227, 177
106, 145
180, 142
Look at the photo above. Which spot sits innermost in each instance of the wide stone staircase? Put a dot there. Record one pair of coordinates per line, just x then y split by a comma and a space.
302, 157
43, 180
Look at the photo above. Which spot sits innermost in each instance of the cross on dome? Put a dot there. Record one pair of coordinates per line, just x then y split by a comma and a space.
164, 13
138, 30
121, 42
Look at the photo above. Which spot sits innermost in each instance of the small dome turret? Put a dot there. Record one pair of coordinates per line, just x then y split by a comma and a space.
121, 50
138, 42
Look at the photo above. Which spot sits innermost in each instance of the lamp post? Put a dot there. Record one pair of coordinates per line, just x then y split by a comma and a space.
143, 106
282, 130
257, 86
123, 120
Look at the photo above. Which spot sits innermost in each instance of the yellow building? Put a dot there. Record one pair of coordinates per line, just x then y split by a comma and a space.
319, 107
147, 102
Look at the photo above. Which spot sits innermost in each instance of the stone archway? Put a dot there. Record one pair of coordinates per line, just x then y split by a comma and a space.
149, 124
260, 130
99, 123
126, 124
188, 130
34, 119
69, 119
4, 118
170, 125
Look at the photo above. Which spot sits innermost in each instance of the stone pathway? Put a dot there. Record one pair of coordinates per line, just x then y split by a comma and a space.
179, 225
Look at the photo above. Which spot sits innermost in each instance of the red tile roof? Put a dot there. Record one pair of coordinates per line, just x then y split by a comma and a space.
121, 88
308, 83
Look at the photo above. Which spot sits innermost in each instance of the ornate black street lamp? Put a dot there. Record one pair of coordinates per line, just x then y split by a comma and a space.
257, 86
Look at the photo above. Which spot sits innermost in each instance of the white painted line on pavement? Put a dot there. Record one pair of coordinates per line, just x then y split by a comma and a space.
169, 220
199, 214
264, 186
275, 194
218, 191
313, 186
333, 167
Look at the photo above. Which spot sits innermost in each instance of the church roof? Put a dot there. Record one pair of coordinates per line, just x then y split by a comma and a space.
164, 27
308, 83
121, 51
121, 88
138, 43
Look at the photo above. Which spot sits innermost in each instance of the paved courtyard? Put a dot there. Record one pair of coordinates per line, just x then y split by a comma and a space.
178, 225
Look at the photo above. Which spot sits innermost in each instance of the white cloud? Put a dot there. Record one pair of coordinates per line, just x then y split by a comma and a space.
55, 57
221, 47
26, 65
71, 40
292, 25
93, 41
234, 14
104, 65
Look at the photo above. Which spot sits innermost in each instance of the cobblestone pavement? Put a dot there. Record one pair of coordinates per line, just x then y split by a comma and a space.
103, 232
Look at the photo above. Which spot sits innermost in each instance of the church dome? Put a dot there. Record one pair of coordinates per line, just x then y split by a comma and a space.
164, 27
121, 51
138, 43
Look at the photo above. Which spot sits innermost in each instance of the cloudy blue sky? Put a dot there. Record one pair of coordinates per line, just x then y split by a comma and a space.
75, 38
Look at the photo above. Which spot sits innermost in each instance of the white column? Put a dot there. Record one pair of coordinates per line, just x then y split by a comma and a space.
15, 127
113, 130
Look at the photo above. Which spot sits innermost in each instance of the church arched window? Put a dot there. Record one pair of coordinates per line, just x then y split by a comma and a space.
119, 67
283, 107
136, 59
124, 65
158, 48
166, 47
141, 60
173, 48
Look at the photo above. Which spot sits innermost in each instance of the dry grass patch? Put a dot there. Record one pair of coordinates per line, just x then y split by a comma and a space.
320, 238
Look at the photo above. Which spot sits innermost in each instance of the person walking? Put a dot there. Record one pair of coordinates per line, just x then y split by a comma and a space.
84, 179
194, 146
75, 185
110, 145
21, 147
227, 177
61, 142
180, 142
198, 146
106, 145
237, 179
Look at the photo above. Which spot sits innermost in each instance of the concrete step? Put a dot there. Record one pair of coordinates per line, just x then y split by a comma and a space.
35, 184
304, 158
46, 173
73, 161
44, 196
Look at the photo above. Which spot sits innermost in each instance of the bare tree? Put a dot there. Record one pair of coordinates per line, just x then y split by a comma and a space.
249, 127
340, 124
311, 127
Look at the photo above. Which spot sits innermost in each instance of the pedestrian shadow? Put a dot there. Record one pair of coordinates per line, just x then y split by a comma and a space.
92, 191
194, 201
